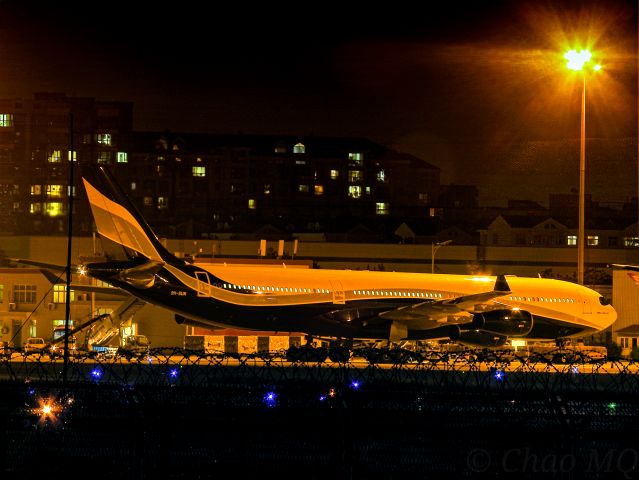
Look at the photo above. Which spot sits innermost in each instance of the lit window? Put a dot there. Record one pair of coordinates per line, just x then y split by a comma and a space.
299, 148
60, 294
123, 157
53, 209
1, 293
148, 201
593, 240
300, 162
163, 203
267, 189
54, 191
356, 158
133, 186
334, 174
35, 207
355, 176
252, 204
303, 188
104, 157
6, 120
381, 208
24, 294
199, 171
381, 176
36, 190
631, 241
16, 206
423, 197
368, 190
54, 156
69, 190
571, 240
319, 189
72, 155
103, 138
355, 191
280, 149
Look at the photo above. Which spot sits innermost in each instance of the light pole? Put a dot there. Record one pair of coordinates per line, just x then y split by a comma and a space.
434, 248
577, 61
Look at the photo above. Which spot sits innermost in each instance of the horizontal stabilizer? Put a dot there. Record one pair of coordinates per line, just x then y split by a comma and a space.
33, 263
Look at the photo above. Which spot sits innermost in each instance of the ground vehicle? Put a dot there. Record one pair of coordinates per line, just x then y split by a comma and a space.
57, 342
135, 345
33, 344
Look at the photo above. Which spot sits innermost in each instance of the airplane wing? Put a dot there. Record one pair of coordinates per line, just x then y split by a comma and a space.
451, 306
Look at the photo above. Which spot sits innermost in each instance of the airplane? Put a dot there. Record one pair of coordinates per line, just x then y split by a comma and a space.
342, 305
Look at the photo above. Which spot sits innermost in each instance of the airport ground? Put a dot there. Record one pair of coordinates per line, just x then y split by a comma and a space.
172, 416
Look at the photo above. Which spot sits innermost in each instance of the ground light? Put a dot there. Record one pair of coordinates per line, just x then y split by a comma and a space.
270, 399
96, 374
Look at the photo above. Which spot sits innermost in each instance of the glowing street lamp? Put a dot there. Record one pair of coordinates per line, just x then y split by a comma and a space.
577, 60
434, 248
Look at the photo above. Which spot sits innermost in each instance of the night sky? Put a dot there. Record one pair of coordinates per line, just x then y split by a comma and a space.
477, 88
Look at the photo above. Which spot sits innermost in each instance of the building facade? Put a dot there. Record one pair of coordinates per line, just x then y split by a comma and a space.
200, 185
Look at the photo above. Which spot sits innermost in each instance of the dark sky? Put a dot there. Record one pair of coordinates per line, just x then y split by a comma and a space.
477, 88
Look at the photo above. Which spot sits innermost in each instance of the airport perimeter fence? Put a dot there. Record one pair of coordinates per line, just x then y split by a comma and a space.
174, 414
553, 372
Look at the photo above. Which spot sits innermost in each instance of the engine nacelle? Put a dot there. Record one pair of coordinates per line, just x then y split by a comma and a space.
512, 323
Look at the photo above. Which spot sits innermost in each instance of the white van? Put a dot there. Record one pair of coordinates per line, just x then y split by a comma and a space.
33, 344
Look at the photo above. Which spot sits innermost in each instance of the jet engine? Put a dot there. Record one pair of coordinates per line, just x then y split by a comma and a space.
511, 323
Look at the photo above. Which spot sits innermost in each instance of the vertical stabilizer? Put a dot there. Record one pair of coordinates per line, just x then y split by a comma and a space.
123, 225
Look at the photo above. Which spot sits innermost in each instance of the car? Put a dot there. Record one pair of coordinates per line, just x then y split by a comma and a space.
6, 348
135, 345
33, 344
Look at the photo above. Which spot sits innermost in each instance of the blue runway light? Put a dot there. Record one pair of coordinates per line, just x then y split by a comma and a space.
574, 369
270, 399
499, 374
96, 373
355, 385
173, 373
322, 398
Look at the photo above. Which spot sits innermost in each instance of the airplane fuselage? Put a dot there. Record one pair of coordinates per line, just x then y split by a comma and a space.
353, 304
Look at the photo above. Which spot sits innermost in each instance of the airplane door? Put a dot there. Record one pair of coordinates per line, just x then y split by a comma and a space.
203, 285
339, 297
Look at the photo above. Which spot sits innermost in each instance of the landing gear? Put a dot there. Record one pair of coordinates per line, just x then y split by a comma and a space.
339, 351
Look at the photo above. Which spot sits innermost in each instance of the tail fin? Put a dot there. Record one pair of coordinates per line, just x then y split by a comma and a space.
121, 222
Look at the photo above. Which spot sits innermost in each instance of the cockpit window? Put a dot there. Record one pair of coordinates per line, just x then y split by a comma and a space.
604, 301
